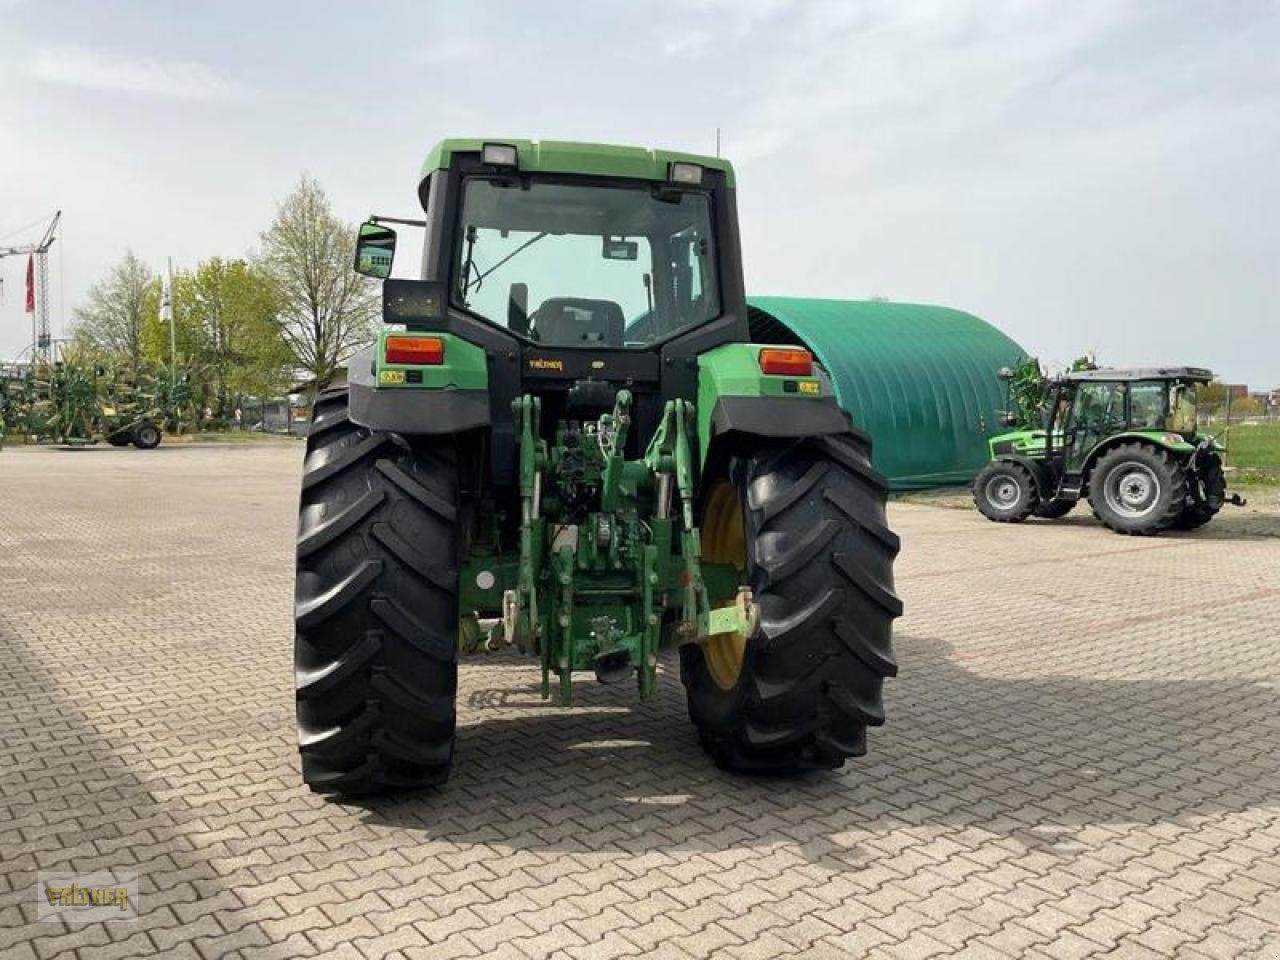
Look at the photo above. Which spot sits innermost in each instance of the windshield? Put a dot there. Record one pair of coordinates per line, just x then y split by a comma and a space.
577, 265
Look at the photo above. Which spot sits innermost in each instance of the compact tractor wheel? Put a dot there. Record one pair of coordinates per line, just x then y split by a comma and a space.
376, 607
806, 525
1005, 492
1054, 509
146, 435
1137, 489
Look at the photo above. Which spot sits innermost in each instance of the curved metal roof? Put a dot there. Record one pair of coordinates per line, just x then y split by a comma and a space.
920, 379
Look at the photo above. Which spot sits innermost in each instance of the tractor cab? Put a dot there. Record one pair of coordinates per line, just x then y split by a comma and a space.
578, 270
1087, 407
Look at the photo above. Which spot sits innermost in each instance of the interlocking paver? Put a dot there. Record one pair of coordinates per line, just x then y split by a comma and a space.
1079, 758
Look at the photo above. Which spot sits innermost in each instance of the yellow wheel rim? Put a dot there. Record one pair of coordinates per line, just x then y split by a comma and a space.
724, 540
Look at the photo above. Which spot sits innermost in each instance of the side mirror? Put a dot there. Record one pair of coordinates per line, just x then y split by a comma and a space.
375, 250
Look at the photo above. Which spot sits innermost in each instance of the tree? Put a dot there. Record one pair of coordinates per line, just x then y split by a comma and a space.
226, 333
326, 309
239, 307
1246, 407
113, 319
1211, 397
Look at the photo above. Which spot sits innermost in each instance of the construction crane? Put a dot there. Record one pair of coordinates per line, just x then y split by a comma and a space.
41, 335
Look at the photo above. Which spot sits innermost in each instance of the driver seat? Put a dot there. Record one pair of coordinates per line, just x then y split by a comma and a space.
577, 321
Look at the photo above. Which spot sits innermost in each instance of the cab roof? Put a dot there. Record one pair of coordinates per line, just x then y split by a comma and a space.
564, 156
1111, 374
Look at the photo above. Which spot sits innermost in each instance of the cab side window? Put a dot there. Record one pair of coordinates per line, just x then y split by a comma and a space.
1100, 406
1146, 406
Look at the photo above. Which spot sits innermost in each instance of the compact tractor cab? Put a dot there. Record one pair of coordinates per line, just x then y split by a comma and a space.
564, 442
1125, 439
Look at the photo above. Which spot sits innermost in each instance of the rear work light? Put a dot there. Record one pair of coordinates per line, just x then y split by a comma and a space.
420, 350
787, 362
688, 174
499, 155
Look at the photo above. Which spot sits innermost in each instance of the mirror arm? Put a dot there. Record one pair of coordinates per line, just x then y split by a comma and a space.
375, 218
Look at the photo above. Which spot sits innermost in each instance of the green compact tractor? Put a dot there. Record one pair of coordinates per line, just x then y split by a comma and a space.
566, 444
1126, 440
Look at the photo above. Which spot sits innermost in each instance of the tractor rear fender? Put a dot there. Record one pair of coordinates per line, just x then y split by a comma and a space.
1175, 443
431, 396
739, 404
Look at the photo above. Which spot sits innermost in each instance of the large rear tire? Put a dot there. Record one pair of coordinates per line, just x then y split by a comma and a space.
1005, 492
1137, 489
376, 607
801, 690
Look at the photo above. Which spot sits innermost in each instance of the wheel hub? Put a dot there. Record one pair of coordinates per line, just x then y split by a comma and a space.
1002, 491
725, 540
1132, 490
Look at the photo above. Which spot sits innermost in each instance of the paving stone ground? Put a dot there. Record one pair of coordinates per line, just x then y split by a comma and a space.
1082, 757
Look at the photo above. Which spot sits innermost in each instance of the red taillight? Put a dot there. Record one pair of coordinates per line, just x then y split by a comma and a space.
786, 362
428, 350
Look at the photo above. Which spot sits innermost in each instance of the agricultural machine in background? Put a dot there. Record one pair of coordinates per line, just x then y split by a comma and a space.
77, 402
1126, 440
566, 444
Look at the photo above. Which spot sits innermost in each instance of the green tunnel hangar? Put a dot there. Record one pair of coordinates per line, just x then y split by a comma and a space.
919, 379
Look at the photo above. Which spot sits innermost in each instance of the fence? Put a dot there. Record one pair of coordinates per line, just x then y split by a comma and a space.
282, 415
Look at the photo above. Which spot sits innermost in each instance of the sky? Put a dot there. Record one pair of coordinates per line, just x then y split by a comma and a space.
1086, 176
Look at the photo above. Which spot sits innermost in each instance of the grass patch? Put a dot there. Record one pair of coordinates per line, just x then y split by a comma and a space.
1254, 450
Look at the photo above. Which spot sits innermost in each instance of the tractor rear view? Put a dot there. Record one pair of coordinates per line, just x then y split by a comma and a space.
564, 443
1126, 440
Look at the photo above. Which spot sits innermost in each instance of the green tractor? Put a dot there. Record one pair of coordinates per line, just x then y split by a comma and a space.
1124, 439
566, 444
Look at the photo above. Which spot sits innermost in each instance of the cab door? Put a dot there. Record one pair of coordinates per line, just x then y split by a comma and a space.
1097, 413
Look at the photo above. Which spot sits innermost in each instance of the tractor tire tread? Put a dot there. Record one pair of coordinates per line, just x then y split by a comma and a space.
820, 565
1174, 474
377, 586
1031, 500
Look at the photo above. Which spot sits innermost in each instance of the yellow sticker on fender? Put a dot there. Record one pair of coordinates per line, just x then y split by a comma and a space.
810, 387
391, 376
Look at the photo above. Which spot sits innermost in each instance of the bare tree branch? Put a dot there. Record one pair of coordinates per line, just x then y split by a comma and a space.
327, 310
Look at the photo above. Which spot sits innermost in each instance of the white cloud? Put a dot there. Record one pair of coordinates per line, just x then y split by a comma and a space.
689, 44
92, 70
452, 51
